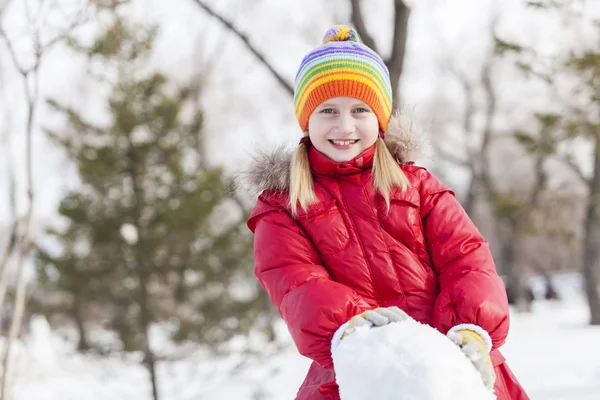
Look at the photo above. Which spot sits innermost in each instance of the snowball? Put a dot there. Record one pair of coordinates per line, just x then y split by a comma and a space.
405, 361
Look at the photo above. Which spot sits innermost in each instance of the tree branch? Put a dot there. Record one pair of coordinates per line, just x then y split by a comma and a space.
13, 54
469, 100
568, 161
359, 24
283, 82
469, 113
79, 19
448, 156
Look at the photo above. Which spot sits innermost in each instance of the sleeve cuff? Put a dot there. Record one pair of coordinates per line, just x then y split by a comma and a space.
475, 328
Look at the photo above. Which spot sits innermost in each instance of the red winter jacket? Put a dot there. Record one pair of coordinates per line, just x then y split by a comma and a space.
346, 254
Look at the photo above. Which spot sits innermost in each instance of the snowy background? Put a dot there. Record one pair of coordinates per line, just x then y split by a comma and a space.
551, 351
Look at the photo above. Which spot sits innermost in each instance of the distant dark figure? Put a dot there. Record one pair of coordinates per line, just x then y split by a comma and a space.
550, 292
510, 293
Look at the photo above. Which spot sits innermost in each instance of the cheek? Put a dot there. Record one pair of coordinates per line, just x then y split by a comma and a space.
317, 130
370, 131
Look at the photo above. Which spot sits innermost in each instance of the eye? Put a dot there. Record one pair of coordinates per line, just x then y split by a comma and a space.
361, 110
327, 111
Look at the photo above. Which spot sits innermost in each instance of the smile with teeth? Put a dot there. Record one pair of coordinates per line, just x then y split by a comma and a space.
343, 142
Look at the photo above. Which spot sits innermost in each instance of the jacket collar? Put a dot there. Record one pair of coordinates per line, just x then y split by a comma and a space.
320, 164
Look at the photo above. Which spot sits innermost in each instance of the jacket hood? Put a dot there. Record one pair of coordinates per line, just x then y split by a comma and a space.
270, 169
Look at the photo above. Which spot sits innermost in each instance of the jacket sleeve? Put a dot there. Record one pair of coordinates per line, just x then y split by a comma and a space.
471, 292
288, 267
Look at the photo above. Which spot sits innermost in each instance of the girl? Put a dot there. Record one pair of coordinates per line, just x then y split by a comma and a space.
348, 231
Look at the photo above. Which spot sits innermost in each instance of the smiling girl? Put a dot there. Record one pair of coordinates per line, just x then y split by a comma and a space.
349, 232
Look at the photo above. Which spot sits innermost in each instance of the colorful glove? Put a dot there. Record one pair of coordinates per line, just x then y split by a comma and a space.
476, 344
371, 318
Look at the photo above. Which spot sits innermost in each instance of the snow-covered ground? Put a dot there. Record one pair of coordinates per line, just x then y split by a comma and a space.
552, 351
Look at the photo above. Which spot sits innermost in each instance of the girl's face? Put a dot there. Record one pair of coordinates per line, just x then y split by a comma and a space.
342, 128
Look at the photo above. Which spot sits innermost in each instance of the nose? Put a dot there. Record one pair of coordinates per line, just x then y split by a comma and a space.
345, 124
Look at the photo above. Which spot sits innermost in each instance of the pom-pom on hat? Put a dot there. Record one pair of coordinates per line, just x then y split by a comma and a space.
342, 66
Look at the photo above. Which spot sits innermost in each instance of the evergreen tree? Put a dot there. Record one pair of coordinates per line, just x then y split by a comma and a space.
152, 235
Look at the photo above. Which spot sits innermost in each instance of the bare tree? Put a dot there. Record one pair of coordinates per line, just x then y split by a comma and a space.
476, 150
7, 255
515, 214
513, 208
20, 236
395, 62
477, 141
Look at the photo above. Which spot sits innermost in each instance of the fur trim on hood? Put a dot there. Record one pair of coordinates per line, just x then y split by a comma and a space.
270, 170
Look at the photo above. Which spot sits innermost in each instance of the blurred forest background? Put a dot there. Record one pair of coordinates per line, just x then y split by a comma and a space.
122, 123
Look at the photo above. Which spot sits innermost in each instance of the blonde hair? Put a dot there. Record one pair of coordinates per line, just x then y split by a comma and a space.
386, 176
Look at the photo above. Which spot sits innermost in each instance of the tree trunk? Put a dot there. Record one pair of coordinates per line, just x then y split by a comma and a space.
5, 264
591, 242
77, 315
16, 322
142, 268
143, 276
149, 358
516, 289
145, 318
471, 198
396, 61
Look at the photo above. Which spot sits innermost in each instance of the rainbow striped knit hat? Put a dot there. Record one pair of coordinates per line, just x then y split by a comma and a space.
342, 66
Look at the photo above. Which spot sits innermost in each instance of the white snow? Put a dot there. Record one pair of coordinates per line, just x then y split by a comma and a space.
129, 233
405, 361
552, 351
